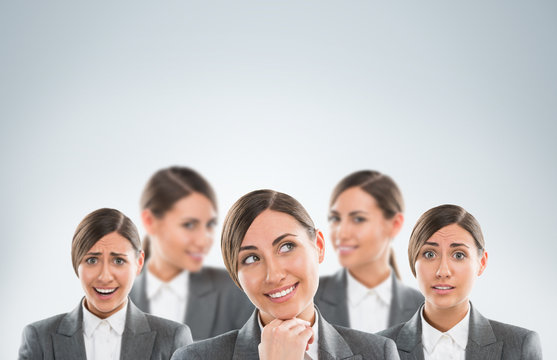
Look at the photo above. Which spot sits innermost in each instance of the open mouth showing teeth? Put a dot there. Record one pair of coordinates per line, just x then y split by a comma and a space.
105, 291
282, 293
443, 287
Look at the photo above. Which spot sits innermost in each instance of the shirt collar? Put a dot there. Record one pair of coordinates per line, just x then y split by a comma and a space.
117, 321
178, 285
357, 292
313, 350
458, 333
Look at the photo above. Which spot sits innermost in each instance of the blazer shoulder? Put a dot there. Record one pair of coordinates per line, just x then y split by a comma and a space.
214, 348
164, 326
514, 336
46, 326
392, 332
365, 343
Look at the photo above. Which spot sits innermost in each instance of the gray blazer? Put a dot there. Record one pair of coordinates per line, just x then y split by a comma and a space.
335, 342
487, 339
215, 304
331, 299
61, 337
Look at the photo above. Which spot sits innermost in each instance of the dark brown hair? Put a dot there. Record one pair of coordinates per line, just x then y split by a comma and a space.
434, 220
242, 214
385, 192
169, 185
97, 224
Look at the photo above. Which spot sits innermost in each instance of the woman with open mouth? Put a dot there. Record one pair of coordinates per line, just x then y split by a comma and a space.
365, 215
106, 256
447, 254
272, 251
179, 213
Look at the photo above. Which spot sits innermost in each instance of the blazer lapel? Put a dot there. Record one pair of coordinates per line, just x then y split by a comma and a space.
202, 302
137, 339
398, 313
68, 341
332, 344
482, 343
248, 340
409, 339
334, 299
139, 291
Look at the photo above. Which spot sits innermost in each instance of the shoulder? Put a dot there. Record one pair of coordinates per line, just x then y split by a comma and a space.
361, 342
514, 336
329, 282
45, 326
164, 326
216, 275
213, 348
408, 293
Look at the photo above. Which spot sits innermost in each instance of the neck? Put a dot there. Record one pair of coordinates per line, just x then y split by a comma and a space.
162, 269
444, 319
371, 274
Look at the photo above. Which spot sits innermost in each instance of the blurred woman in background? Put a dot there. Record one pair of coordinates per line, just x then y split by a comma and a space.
365, 215
179, 213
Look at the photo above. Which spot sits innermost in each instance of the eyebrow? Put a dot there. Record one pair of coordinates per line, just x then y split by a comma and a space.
352, 213
111, 254
277, 240
453, 245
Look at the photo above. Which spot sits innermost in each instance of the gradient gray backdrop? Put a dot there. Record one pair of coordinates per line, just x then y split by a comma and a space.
457, 101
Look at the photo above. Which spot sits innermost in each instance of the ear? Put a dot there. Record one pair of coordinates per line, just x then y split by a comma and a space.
320, 242
397, 222
148, 220
483, 263
140, 262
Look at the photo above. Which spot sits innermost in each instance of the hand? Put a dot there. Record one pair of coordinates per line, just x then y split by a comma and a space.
285, 340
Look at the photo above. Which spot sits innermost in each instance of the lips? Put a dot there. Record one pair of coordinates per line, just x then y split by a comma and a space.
442, 289
345, 249
105, 291
282, 293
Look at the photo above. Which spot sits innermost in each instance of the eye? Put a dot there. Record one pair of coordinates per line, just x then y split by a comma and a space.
334, 218
359, 219
429, 254
189, 225
211, 224
459, 255
287, 247
250, 259
119, 261
91, 261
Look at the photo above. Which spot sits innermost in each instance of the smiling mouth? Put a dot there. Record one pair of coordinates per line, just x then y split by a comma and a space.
282, 293
443, 287
346, 249
102, 291
197, 255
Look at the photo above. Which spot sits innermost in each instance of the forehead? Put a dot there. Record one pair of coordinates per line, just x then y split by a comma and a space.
112, 242
452, 234
354, 198
269, 225
193, 204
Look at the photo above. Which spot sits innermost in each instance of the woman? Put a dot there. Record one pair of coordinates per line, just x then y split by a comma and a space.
272, 251
179, 213
447, 254
365, 215
106, 256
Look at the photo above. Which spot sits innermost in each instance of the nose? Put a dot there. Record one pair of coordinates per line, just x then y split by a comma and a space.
275, 272
444, 269
105, 275
203, 238
342, 232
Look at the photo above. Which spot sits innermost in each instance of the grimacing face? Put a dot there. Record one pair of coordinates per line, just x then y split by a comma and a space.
447, 267
278, 267
107, 272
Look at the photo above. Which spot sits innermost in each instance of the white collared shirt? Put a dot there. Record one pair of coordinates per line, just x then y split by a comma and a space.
368, 309
450, 345
312, 352
168, 299
103, 337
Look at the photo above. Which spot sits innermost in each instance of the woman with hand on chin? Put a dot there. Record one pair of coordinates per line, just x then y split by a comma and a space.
179, 212
272, 251
447, 254
366, 213
106, 256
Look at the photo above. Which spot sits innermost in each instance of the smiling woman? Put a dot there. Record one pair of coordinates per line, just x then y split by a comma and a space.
447, 254
106, 256
272, 251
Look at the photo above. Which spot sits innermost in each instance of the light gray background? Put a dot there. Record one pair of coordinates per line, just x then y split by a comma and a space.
455, 100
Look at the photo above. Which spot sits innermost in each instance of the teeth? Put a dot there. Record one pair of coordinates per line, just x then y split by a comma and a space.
443, 287
282, 293
105, 291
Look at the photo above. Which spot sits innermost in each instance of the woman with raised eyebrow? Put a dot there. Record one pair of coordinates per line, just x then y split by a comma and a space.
105, 325
365, 215
447, 254
272, 251
179, 213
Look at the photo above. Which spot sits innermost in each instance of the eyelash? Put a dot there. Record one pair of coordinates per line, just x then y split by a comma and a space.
290, 245
425, 254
